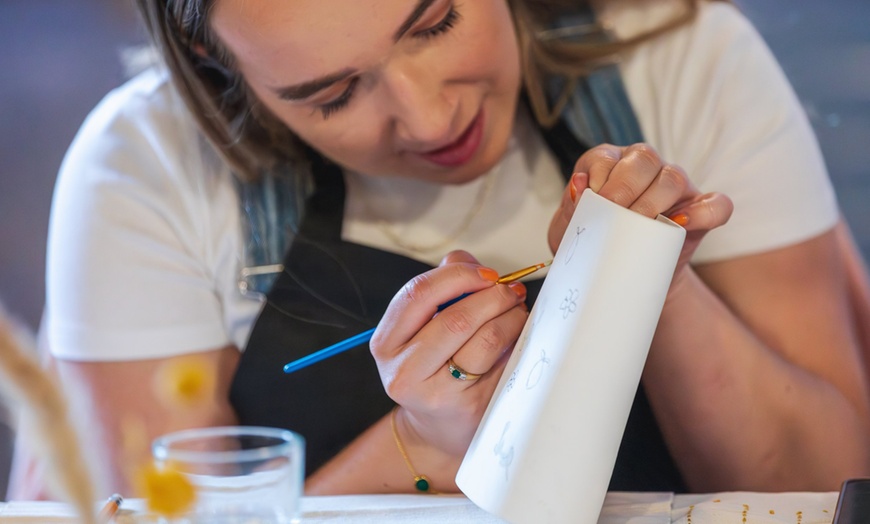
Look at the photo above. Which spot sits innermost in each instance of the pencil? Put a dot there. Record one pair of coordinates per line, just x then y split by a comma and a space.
365, 336
110, 509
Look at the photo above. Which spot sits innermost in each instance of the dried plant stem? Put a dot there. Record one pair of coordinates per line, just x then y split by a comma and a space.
29, 387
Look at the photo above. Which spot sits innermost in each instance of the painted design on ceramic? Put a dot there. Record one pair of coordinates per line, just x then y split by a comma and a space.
537, 370
569, 303
504, 453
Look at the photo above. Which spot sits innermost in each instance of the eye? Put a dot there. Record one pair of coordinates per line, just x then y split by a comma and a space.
441, 27
340, 102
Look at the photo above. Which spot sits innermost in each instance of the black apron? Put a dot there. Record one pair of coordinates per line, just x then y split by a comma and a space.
331, 290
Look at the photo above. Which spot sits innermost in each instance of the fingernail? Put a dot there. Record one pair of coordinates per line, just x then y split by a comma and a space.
578, 180
680, 218
488, 274
519, 288
574, 182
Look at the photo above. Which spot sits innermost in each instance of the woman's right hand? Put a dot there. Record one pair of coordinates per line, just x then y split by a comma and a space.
414, 341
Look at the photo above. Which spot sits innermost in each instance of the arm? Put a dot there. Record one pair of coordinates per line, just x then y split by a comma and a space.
121, 409
373, 464
755, 373
142, 241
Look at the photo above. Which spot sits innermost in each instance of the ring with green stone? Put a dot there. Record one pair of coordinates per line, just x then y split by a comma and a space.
458, 373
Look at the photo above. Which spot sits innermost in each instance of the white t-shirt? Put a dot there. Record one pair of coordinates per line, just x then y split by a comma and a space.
145, 244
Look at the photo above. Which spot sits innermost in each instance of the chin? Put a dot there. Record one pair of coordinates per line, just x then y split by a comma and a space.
469, 173
452, 176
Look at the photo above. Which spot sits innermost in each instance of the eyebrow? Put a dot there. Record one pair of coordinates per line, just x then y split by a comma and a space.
307, 89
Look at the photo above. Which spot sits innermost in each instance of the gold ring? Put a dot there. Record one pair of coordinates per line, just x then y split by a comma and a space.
458, 373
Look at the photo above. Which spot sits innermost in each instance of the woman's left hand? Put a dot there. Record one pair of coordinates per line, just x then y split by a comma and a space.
637, 178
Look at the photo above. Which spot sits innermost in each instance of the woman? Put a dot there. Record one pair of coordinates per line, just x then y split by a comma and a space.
405, 129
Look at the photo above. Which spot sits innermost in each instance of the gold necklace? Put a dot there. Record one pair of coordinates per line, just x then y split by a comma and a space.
479, 200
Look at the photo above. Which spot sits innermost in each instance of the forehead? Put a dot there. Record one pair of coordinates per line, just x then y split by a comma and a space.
285, 40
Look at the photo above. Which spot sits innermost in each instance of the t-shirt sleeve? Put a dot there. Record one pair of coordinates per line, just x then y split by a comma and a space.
127, 270
712, 98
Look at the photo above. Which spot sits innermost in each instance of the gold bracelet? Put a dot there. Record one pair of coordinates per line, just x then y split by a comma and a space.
421, 482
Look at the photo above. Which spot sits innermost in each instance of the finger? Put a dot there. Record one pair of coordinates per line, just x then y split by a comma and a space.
598, 162
457, 325
448, 414
670, 187
489, 342
559, 223
424, 359
631, 176
418, 300
704, 212
458, 256
413, 306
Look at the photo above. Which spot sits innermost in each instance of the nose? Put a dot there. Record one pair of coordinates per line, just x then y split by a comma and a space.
422, 110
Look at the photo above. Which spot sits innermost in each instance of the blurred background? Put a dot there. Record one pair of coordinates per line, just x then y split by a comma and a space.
59, 57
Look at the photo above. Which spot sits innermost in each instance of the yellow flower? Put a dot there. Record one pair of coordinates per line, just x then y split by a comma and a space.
187, 382
166, 491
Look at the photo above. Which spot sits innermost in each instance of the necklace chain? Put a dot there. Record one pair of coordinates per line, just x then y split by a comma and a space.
479, 200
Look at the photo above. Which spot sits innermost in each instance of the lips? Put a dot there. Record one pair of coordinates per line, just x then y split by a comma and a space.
462, 149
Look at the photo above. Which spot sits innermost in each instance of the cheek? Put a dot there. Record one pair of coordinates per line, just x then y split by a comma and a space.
493, 46
351, 146
342, 137
329, 136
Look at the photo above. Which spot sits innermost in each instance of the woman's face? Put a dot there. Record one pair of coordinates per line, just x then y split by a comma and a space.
425, 89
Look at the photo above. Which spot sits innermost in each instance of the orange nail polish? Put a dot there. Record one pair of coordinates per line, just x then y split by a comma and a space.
488, 274
573, 191
680, 218
519, 288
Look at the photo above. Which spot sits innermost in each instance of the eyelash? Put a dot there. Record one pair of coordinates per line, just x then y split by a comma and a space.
341, 102
446, 24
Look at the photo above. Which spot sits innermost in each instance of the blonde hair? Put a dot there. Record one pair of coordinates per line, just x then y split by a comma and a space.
544, 57
253, 141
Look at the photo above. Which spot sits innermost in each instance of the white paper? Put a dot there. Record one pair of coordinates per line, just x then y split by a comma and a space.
545, 449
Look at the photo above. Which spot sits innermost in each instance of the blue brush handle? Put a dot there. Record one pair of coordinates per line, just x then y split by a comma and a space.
348, 343
335, 349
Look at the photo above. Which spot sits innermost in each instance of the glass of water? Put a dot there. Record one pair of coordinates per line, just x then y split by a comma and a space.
242, 474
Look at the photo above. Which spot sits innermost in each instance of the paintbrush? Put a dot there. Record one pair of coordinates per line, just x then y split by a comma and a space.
365, 336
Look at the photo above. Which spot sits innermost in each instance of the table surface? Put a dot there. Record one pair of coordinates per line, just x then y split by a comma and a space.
619, 508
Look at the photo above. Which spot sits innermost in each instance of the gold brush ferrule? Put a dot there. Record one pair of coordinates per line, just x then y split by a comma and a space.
516, 275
